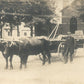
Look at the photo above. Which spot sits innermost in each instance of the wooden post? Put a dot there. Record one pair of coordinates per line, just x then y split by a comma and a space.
18, 33
1, 31
11, 28
31, 31
1, 24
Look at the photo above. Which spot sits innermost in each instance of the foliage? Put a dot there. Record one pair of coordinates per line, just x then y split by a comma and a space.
33, 8
32, 12
79, 5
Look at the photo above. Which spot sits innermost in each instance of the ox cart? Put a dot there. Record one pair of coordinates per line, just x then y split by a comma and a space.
58, 43
57, 46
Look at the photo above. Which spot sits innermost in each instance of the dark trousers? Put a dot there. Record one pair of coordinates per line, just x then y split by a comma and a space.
66, 52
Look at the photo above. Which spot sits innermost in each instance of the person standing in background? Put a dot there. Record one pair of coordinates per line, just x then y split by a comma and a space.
69, 46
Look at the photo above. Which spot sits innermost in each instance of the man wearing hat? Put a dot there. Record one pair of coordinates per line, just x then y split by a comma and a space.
69, 47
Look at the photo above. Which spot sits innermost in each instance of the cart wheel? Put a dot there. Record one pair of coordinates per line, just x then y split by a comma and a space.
60, 51
41, 57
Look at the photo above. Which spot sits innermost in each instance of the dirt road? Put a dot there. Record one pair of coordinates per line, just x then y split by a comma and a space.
55, 73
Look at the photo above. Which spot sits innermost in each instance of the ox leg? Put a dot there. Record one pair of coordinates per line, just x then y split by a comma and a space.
49, 57
20, 62
25, 65
6, 63
43, 58
24, 60
66, 57
71, 57
26, 57
11, 66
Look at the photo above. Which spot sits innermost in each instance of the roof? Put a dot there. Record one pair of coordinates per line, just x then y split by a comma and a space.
72, 9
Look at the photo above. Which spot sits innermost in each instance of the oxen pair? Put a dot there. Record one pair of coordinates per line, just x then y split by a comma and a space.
25, 47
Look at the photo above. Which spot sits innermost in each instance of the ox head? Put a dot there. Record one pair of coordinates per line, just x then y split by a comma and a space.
7, 45
2, 45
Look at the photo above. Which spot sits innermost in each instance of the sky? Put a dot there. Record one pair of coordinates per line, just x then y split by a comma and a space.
60, 6
59, 3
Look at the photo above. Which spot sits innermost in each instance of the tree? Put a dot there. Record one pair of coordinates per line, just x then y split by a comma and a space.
79, 6
38, 10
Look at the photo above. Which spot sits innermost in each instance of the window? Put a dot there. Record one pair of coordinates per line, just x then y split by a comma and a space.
25, 33
73, 25
9, 33
7, 25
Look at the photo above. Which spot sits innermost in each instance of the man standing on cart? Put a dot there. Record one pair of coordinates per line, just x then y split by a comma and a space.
69, 46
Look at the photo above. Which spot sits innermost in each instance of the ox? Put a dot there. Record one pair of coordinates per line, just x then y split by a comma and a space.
25, 47
2, 47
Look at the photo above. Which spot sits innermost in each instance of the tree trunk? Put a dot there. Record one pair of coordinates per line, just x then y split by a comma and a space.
31, 31
1, 31
11, 29
2, 24
18, 33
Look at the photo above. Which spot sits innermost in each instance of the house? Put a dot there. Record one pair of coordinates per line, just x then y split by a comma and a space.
70, 18
24, 31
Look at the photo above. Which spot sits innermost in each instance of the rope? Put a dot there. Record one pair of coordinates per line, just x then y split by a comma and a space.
52, 31
55, 29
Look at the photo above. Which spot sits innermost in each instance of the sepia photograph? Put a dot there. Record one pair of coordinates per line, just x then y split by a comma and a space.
41, 41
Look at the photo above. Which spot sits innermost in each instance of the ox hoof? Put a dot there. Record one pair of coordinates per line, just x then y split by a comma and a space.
43, 64
11, 68
65, 62
20, 67
25, 67
6, 67
71, 60
49, 63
